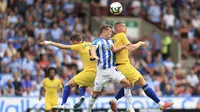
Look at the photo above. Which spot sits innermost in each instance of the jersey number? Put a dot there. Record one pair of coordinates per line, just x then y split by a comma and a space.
91, 59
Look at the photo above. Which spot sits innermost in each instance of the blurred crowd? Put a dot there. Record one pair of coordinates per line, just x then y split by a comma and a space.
25, 23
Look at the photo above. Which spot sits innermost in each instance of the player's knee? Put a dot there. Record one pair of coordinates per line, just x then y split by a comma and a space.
71, 84
141, 82
125, 83
95, 94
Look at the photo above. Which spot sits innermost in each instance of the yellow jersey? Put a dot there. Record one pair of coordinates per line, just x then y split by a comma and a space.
84, 51
51, 88
122, 56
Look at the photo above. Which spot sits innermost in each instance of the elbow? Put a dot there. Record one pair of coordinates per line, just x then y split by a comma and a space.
114, 50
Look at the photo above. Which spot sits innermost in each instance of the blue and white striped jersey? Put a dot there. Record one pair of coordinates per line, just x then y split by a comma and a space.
104, 52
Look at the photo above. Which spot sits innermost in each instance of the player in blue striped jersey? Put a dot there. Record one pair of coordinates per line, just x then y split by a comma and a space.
102, 50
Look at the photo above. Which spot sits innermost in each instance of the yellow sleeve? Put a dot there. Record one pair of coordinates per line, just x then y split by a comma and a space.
124, 38
43, 83
75, 47
59, 83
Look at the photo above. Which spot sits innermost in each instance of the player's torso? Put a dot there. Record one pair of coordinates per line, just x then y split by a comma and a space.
85, 54
123, 55
105, 54
51, 87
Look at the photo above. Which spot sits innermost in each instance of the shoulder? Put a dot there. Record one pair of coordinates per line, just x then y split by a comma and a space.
57, 79
86, 44
120, 35
45, 79
96, 41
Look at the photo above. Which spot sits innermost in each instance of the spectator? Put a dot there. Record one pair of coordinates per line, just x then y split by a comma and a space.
168, 90
40, 30
8, 88
17, 84
169, 20
11, 50
154, 13
12, 18
5, 77
166, 42
44, 62
56, 32
27, 83
157, 41
192, 78
196, 22
184, 39
3, 6
14, 64
28, 64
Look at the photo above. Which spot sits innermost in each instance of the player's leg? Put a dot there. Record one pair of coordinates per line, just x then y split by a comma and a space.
70, 84
47, 106
82, 99
120, 78
101, 79
92, 100
151, 94
126, 70
84, 79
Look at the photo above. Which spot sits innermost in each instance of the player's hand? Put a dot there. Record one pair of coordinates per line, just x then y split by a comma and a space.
45, 42
95, 57
144, 44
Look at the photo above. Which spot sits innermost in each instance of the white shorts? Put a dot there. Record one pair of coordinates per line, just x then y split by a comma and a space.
103, 76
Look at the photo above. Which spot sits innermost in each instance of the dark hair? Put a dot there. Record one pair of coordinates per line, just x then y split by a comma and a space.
51, 68
104, 27
76, 37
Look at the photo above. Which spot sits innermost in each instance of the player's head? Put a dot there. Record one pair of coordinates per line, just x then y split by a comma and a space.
120, 27
51, 72
106, 31
76, 38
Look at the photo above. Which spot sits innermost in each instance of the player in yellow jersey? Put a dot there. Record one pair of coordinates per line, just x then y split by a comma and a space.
51, 86
124, 66
86, 77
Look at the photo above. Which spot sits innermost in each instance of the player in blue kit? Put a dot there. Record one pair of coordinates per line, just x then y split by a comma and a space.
102, 50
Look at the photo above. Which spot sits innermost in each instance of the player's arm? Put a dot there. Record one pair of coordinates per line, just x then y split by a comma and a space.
42, 90
94, 47
133, 47
93, 52
115, 49
130, 46
61, 46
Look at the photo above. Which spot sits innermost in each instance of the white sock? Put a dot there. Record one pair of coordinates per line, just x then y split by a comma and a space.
114, 100
161, 104
91, 103
127, 94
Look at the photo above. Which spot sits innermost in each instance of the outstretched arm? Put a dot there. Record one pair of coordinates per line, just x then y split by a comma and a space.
133, 47
115, 49
61, 46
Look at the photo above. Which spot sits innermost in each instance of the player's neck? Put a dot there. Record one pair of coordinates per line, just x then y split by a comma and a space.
51, 78
120, 32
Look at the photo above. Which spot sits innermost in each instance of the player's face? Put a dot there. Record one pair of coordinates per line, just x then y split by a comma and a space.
109, 33
52, 73
123, 28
